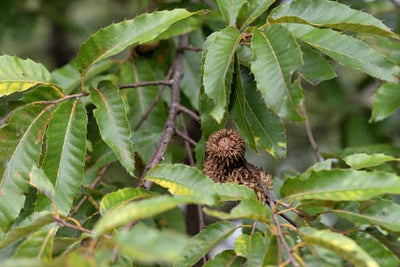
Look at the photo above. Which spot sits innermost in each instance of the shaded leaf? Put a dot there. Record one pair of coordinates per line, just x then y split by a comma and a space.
347, 50
183, 180
18, 75
122, 196
273, 254
251, 247
315, 69
66, 152
362, 160
340, 244
387, 100
384, 213
41, 182
30, 225
332, 14
149, 245
111, 117
231, 191
230, 9
117, 37
341, 185
252, 10
247, 208
226, 258
20, 149
37, 245
273, 65
138, 210
204, 241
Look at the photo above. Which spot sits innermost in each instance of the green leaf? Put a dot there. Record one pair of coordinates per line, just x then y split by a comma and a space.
347, 50
338, 243
387, 100
30, 225
230, 9
111, 117
18, 75
37, 245
273, 65
252, 10
183, 180
362, 160
331, 14
117, 37
383, 213
39, 180
230, 192
247, 208
20, 149
66, 152
149, 245
138, 210
226, 258
273, 254
383, 256
204, 241
216, 66
268, 128
341, 185
315, 69
251, 247
122, 196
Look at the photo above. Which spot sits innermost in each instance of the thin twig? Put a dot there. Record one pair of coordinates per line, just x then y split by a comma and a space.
310, 135
65, 98
170, 125
142, 84
187, 141
190, 48
188, 112
185, 138
63, 223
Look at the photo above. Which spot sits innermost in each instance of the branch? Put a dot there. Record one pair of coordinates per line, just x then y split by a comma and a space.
310, 135
186, 138
187, 141
170, 125
189, 112
63, 223
53, 102
141, 84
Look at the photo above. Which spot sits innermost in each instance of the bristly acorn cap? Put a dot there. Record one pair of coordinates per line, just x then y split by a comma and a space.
225, 146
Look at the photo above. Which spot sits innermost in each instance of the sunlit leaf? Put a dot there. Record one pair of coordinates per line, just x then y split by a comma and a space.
252, 10
230, 9
17, 75
226, 258
204, 241
340, 244
38, 179
230, 192
111, 117
251, 247
149, 245
331, 14
216, 66
341, 185
387, 100
362, 160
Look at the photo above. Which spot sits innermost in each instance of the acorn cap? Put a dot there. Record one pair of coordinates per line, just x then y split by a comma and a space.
225, 146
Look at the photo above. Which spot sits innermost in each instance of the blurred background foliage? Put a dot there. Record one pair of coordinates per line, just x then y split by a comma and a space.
50, 32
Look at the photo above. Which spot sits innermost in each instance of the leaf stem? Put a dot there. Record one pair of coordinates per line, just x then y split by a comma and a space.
310, 135
63, 223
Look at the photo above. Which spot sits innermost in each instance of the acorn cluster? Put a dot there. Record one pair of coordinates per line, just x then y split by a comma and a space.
225, 162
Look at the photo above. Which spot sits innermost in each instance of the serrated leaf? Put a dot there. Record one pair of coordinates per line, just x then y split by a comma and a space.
20, 149
315, 69
383, 212
66, 152
340, 244
252, 10
362, 160
117, 37
226, 258
273, 65
331, 14
347, 50
387, 100
18, 75
138, 210
111, 117
204, 241
121, 196
341, 185
230, 9
248, 208
183, 180
383, 256
217, 64
39, 180
230, 192
149, 245
251, 247
31, 224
